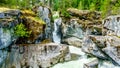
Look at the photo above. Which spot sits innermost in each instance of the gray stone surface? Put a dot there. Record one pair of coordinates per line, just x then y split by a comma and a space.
90, 47
73, 41
2, 15
37, 56
112, 24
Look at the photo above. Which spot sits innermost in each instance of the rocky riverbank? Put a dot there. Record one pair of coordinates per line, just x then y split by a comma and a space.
51, 42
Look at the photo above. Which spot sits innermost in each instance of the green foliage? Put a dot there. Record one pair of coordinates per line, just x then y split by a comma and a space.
107, 7
116, 8
21, 31
65, 13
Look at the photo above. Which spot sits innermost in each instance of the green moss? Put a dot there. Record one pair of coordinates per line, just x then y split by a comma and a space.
21, 31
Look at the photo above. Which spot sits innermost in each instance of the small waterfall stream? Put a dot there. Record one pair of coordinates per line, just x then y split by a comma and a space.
57, 30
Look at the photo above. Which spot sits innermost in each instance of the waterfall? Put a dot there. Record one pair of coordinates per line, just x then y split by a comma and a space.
57, 30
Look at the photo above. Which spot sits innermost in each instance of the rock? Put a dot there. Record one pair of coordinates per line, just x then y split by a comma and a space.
36, 27
72, 29
73, 41
84, 14
2, 15
92, 64
108, 45
112, 49
111, 25
45, 14
98, 40
113, 53
37, 55
107, 64
81, 21
5, 38
7, 23
3, 55
12, 12
90, 47
96, 30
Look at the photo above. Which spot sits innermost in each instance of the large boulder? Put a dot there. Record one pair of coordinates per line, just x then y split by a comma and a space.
37, 55
89, 47
104, 45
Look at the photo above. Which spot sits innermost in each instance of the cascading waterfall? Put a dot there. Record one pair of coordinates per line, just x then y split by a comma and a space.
57, 30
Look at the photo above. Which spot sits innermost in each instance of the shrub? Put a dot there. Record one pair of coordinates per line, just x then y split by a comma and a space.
21, 31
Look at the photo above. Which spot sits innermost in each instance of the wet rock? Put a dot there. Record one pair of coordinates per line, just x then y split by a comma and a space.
73, 41
37, 55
